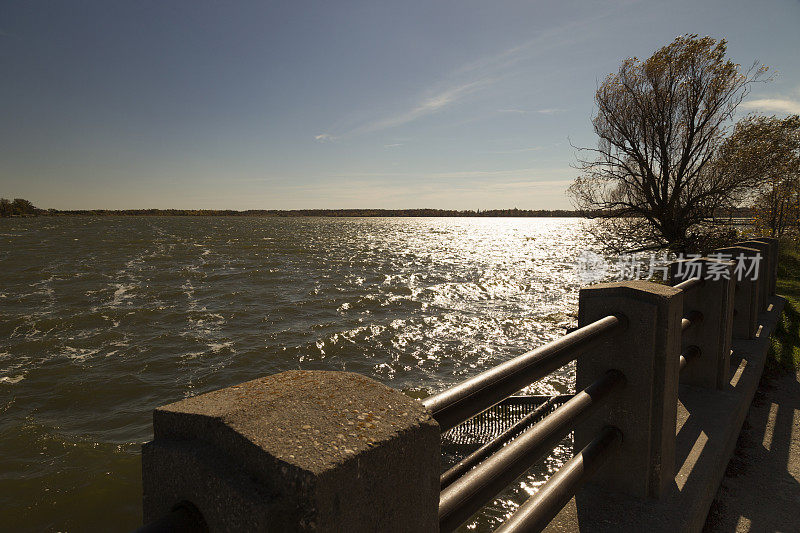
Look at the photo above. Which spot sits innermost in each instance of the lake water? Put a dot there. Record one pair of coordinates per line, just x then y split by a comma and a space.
103, 319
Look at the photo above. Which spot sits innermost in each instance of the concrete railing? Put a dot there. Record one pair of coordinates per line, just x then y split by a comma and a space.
336, 451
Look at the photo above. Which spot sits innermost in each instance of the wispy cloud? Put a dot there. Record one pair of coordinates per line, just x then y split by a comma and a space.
529, 175
479, 74
457, 189
779, 105
544, 111
516, 150
513, 174
543, 42
426, 106
324, 138
393, 145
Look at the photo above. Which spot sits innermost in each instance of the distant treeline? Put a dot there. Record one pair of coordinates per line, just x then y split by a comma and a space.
20, 207
328, 212
17, 208
312, 212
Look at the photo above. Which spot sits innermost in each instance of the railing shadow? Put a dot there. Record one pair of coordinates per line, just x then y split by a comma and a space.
703, 440
758, 492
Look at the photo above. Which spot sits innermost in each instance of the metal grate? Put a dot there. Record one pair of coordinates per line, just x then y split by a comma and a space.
468, 436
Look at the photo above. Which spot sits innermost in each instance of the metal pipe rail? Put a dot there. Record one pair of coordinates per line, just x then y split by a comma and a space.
469, 493
691, 353
457, 470
693, 318
689, 284
475, 395
542, 507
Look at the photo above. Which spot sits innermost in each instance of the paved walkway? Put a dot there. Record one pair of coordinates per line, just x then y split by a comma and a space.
761, 488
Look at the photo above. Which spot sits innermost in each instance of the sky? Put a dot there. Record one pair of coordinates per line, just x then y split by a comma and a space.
299, 104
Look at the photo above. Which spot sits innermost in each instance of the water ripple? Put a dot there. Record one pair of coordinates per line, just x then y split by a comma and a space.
105, 318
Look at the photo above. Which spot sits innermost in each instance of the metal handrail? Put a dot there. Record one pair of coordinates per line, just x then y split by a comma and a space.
490, 447
689, 284
475, 395
693, 318
691, 353
470, 492
542, 507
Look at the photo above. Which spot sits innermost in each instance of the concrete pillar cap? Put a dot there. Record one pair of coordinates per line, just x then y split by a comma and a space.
312, 420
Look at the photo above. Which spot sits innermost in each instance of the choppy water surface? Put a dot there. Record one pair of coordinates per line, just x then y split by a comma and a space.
102, 319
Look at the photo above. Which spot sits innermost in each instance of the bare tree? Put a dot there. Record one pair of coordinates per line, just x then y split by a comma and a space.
660, 122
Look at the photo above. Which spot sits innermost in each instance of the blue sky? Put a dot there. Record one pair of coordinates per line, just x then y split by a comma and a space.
297, 104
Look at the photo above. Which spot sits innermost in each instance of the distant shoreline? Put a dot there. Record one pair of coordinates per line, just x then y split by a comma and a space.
329, 213
24, 208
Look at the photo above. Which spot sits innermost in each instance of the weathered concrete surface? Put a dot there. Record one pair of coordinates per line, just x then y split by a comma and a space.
774, 244
646, 351
764, 270
297, 451
761, 488
715, 301
746, 297
708, 424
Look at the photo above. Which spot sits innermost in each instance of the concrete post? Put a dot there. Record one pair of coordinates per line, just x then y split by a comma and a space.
646, 351
773, 254
746, 295
714, 300
297, 451
764, 270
